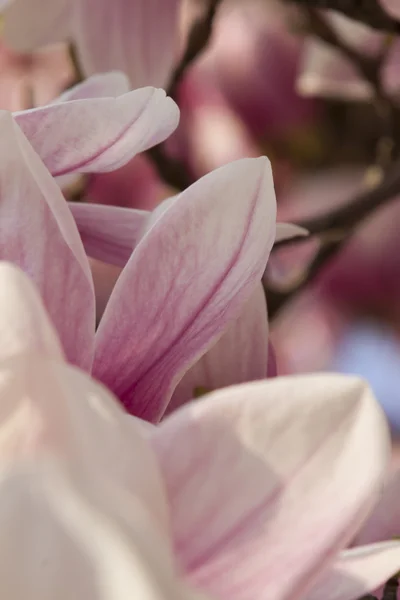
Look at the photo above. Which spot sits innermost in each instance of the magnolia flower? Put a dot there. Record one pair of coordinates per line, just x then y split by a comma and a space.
251, 493
189, 267
140, 38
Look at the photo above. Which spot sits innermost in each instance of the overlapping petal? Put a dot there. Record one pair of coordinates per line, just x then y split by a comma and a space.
269, 485
99, 134
109, 233
241, 355
384, 522
357, 572
24, 328
190, 275
38, 233
105, 85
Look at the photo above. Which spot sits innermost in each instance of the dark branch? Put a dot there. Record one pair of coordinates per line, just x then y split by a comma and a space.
198, 39
368, 12
172, 171
334, 229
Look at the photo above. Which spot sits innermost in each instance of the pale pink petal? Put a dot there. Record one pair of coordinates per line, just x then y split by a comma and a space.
109, 233
24, 326
392, 7
357, 572
29, 24
38, 233
384, 522
140, 38
105, 277
286, 231
81, 505
268, 481
188, 278
102, 134
105, 85
54, 406
241, 355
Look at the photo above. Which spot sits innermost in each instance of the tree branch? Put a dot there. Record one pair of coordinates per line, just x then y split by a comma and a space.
334, 229
172, 171
198, 39
368, 12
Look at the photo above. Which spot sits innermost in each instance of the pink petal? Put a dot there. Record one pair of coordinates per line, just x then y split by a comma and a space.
37, 232
357, 572
82, 513
102, 134
286, 231
392, 7
384, 522
266, 484
57, 409
189, 277
140, 38
105, 277
241, 355
109, 233
29, 24
105, 85
24, 326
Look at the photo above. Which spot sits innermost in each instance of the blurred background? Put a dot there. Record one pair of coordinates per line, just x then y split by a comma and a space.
267, 84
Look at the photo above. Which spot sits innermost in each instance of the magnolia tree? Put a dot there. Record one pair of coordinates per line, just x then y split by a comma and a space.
157, 305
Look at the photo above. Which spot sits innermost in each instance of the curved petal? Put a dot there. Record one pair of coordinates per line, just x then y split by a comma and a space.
392, 7
286, 231
140, 38
50, 407
265, 481
29, 24
384, 522
105, 85
189, 277
100, 134
24, 326
38, 233
69, 521
357, 572
109, 233
240, 355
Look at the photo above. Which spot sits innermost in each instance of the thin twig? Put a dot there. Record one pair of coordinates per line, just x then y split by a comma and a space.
198, 39
369, 12
172, 171
334, 229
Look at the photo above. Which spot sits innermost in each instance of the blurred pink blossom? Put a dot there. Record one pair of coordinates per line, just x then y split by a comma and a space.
219, 501
254, 57
140, 38
325, 71
33, 79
